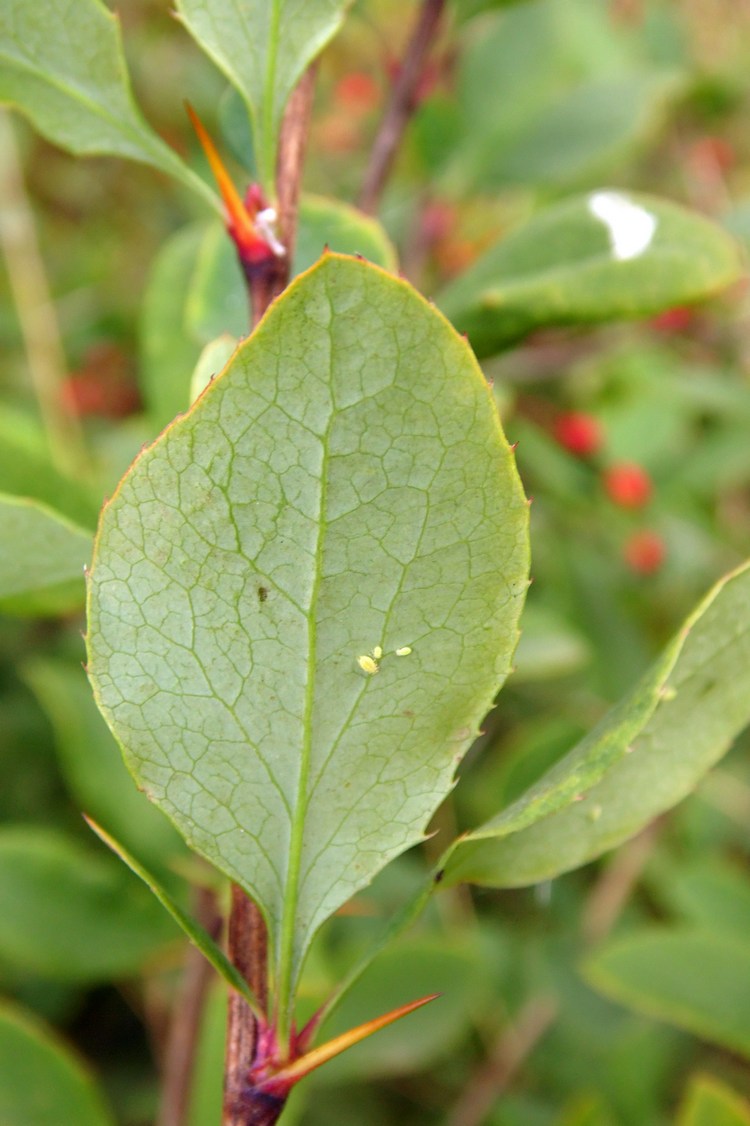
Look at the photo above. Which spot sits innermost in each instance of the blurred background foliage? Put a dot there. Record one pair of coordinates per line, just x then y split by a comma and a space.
618, 994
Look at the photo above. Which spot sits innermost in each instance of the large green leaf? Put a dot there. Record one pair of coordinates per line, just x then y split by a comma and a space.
263, 46
644, 757
62, 65
598, 257
69, 914
343, 486
695, 980
42, 557
41, 1080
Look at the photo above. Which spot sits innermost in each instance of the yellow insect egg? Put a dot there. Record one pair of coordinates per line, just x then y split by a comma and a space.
404, 651
377, 652
368, 664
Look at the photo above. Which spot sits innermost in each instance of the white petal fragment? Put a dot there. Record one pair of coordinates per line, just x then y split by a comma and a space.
630, 226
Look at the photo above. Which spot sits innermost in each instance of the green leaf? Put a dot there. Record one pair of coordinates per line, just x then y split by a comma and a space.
694, 980
62, 65
603, 256
344, 485
199, 937
263, 46
334, 225
26, 470
41, 1080
644, 756
70, 915
406, 970
42, 557
707, 892
583, 133
92, 764
168, 352
709, 1102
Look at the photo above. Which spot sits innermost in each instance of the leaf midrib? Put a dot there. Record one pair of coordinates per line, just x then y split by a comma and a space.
285, 974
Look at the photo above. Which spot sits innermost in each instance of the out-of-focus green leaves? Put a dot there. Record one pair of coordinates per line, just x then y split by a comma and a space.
402, 973
547, 96
197, 934
707, 892
92, 765
603, 256
69, 914
695, 980
197, 293
42, 1081
26, 470
709, 1102
168, 353
643, 757
42, 558
263, 46
63, 67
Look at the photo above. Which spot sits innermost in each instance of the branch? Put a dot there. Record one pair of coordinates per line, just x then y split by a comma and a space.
492, 1078
401, 104
36, 310
268, 284
184, 1027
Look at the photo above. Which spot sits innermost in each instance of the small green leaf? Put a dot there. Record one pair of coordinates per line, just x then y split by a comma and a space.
212, 360
42, 557
694, 980
199, 937
603, 256
263, 46
645, 755
334, 225
343, 488
63, 66
41, 1080
709, 1102
69, 914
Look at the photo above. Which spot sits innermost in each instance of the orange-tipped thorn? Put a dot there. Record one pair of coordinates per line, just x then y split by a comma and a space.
281, 1081
249, 239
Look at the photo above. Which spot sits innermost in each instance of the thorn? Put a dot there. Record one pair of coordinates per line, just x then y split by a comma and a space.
251, 245
529, 501
281, 1081
513, 447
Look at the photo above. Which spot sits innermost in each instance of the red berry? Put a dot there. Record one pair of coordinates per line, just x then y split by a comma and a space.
644, 552
357, 91
579, 432
673, 320
627, 485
